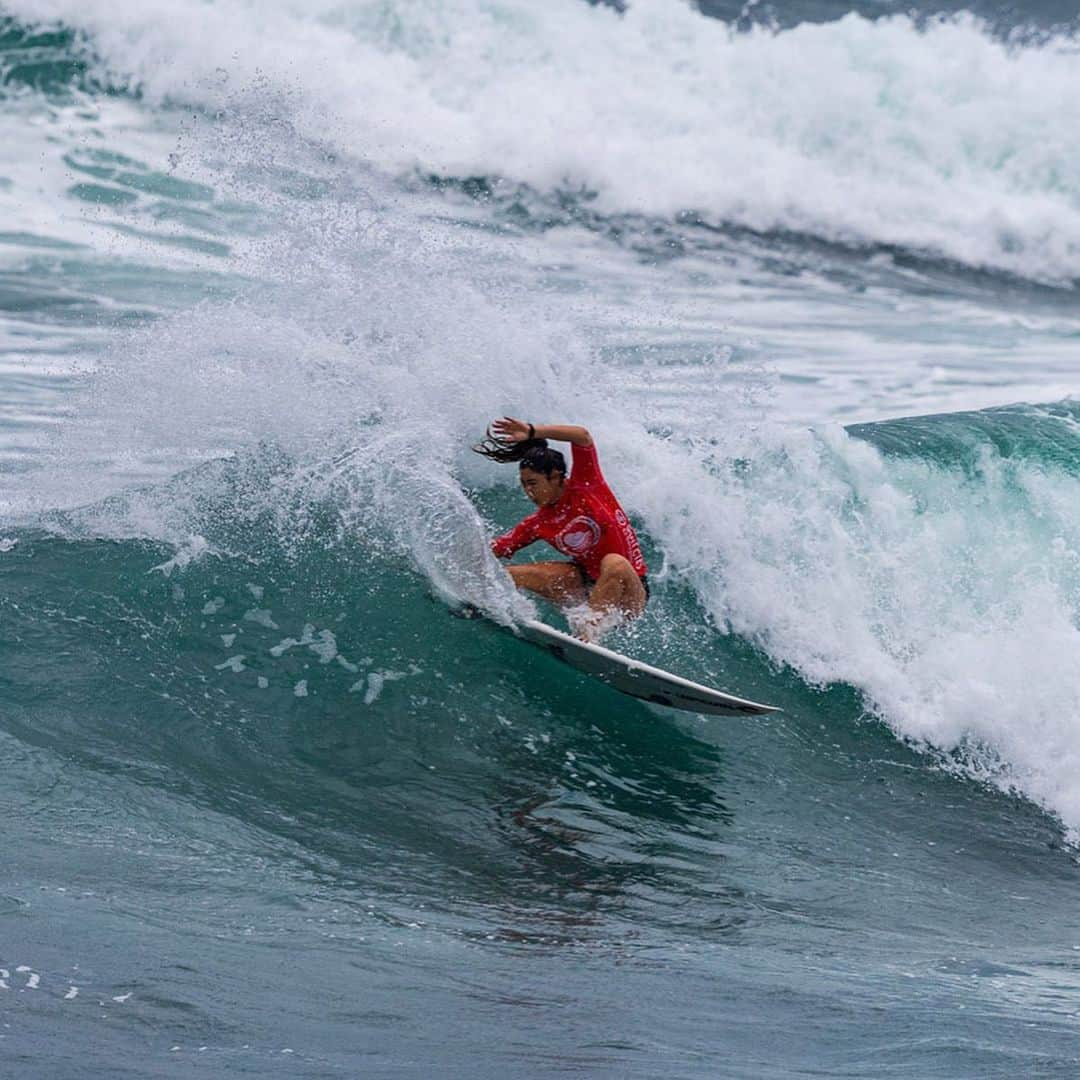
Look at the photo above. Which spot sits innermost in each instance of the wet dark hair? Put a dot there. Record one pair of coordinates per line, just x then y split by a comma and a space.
532, 454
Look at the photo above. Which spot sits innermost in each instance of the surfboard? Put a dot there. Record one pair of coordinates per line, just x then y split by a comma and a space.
636, 678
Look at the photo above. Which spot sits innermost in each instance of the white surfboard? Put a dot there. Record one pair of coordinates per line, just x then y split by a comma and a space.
636, 678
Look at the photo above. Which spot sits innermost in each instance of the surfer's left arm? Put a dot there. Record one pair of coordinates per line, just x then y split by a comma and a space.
513, 430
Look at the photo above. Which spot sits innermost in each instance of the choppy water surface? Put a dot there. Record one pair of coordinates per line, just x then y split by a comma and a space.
808, 272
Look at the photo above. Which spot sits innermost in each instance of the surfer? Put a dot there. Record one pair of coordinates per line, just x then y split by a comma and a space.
579, 516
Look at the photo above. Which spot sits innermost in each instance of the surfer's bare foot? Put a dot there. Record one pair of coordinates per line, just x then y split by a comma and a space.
592, 624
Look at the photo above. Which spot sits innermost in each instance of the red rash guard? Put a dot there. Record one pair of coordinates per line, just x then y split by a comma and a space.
585, 523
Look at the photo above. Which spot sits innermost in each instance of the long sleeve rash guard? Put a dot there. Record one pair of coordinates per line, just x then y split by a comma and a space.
586, 523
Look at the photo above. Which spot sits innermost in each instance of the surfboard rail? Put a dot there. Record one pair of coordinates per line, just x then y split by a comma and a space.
635, 677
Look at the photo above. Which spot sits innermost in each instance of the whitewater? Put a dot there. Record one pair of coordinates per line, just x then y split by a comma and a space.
938, 139
809, 277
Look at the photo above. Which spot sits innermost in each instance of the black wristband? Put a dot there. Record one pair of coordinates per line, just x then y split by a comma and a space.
532, 432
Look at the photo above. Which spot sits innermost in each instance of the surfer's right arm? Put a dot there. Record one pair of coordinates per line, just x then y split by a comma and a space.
511, 433
511, 430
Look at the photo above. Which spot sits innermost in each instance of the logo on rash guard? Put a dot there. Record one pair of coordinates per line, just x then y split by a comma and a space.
579, 536
637, 560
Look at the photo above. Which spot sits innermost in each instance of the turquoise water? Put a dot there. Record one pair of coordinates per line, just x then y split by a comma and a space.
270, 808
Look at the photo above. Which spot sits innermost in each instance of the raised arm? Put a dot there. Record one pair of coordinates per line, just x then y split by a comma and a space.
512, 430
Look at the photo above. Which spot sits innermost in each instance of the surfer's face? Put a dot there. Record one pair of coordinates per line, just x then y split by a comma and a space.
543, 490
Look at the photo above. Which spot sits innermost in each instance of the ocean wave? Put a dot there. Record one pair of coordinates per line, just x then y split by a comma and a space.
935, 137
937, 571
931, 564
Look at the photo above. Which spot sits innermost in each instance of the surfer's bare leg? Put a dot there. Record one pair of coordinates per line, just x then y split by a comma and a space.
556, 581
618, 588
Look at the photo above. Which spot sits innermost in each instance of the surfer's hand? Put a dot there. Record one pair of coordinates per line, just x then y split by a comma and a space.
507, 429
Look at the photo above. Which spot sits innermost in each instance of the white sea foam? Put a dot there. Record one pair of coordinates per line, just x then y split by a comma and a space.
192, 549
939, 138
950, 599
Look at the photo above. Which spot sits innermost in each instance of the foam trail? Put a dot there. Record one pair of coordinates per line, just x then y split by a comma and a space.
940, 138
427, 515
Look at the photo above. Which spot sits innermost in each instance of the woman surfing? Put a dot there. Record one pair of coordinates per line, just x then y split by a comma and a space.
578, 515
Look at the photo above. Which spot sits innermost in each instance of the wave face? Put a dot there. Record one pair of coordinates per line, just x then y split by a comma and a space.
932, 136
